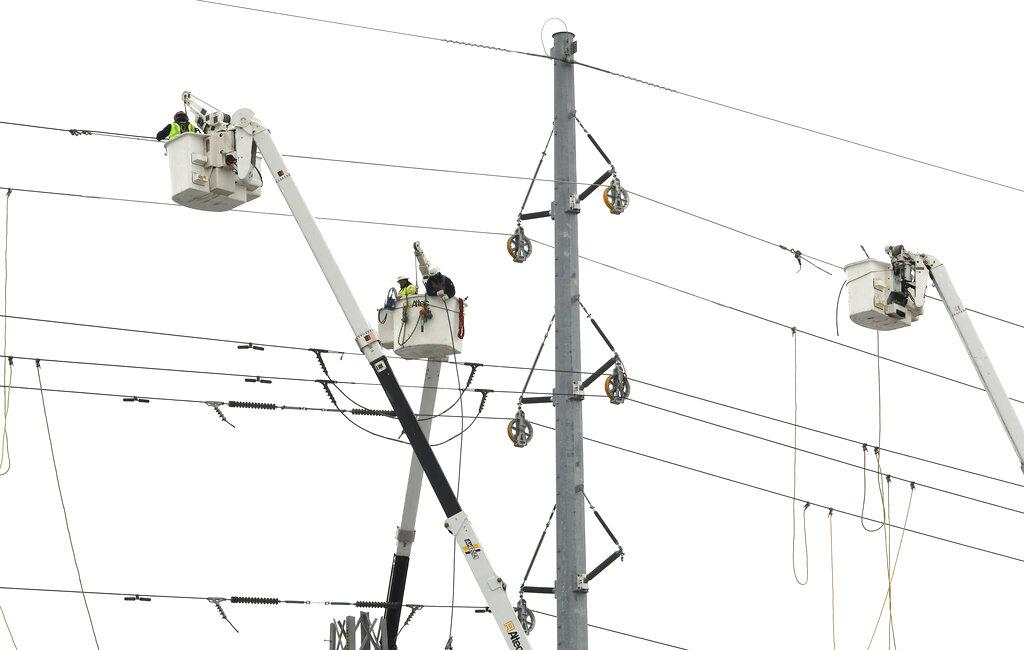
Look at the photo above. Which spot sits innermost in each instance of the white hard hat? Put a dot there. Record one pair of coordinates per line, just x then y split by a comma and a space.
401, 277
433, 270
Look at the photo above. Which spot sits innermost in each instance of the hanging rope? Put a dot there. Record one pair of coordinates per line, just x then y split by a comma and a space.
458, 476
5, 454
887, 598
878, 446
60, 492
886, 514
832, 570
793, 503
8, 626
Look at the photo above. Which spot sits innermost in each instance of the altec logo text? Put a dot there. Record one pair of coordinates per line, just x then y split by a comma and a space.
514, 637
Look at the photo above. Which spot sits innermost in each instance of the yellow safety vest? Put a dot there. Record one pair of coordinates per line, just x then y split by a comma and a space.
407, 291
176, 130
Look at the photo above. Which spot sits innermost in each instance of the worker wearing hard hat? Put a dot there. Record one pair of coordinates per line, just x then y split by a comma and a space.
405, 288
439, 284
177, 127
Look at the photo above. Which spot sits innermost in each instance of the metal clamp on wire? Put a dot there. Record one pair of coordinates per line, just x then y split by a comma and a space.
616, 198
616, 386
519, 246
520, 431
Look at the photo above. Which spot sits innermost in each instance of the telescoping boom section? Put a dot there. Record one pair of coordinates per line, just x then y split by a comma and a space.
237, 140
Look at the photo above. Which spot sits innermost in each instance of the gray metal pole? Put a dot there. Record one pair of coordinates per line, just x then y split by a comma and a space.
571, 556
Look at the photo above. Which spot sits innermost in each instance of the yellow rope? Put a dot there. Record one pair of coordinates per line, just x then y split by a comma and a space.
5, 455
899, 548
832, 569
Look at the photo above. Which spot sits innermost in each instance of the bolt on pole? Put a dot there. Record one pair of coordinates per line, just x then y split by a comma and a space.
571, 557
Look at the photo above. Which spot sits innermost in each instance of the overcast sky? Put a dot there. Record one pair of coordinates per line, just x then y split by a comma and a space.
165, 498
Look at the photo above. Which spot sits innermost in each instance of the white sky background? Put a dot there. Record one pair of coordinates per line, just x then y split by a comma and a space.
164, 498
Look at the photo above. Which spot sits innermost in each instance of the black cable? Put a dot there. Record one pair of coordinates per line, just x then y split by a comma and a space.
620, 75
63, 507
789, 497
621, 633
501, 391
256, 405
235, 599
500, 234
827, 433
798, 126
156, 333
839, 461
392, 32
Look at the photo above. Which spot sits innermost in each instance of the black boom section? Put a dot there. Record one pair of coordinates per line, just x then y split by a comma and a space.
396, 594
424, 453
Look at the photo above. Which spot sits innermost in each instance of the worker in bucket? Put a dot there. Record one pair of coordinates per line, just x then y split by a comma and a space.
439, 285
177, 127
405, 288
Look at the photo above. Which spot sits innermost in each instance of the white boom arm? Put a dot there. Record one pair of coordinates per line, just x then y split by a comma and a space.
491, 586
965, 328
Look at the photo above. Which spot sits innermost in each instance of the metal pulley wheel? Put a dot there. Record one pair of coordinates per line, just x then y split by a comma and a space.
616, 386
519, 246
526, 616
520, 431
615, 197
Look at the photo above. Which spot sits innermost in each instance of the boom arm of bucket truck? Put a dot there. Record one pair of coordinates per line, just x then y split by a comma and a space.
244, 136
909, 289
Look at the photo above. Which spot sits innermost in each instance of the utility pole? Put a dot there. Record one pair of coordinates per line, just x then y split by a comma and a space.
571, 555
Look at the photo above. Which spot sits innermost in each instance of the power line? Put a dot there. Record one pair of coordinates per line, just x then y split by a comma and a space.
719, 104
839, 461
63, 507
789, 497
392, 32
516, 392
221, 373
244, 600
126, 397
795, 252
612, 267
620, 633
218, 373
794, 125
836, 436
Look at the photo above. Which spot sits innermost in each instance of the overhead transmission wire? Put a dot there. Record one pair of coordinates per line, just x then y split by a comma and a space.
243, 600
626, 272
63, 507
241, 404
826, 457
631, 452
503, 366
795, 252
796, 448
664, 644
638, 402
668, 89
789, 497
